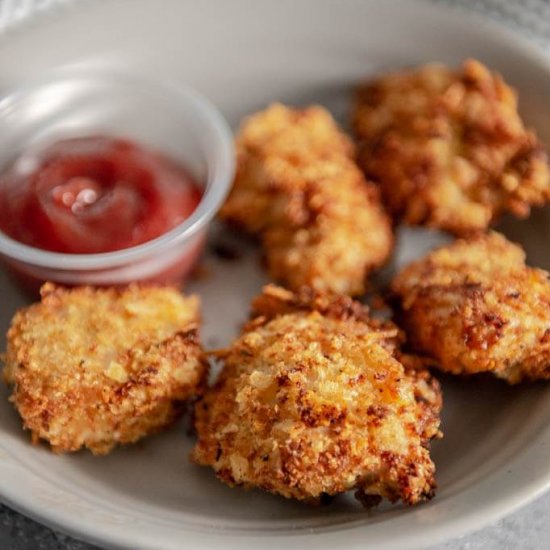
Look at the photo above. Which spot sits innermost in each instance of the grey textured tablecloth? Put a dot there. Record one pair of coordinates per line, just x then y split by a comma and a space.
527, 529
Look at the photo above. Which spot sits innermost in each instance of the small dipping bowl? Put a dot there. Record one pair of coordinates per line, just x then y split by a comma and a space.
164, 116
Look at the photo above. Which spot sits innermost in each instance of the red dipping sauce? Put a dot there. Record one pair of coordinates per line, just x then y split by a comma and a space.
95, 194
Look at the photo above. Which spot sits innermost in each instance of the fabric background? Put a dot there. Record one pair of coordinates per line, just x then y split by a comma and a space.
527, 529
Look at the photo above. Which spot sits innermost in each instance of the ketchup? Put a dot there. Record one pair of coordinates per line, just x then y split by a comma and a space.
94, 194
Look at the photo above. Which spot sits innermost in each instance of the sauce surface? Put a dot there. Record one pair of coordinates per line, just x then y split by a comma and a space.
94, 194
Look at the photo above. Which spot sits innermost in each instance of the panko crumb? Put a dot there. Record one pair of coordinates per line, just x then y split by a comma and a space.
298, 188
312, 401
98, 367
474, 306
449, 148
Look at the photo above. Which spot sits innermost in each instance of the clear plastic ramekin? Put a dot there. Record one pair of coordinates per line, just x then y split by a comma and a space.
167, 116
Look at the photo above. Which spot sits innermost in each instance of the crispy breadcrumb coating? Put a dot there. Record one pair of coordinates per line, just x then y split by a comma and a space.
298, 188
311, 402
98, 367
449, 148
474, 306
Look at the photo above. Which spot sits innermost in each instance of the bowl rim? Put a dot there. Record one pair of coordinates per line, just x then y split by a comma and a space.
217, 184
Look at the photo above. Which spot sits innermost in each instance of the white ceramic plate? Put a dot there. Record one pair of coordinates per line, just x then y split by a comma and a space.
244, 54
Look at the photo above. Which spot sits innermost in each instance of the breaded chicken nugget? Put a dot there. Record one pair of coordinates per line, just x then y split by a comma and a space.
449, 148
97, 367
474, 306
298, 188
311, 402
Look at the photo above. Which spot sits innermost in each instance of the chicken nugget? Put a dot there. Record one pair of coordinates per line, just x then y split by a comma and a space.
298, 188
312, 401
98, 367
474, 306
449, 148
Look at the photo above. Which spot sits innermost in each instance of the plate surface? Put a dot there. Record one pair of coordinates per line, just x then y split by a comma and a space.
244, 54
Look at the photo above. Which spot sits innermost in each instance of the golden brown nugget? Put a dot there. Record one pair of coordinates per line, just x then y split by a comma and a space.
449, 148
98, 367
311, 401
298, 188
474, 306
